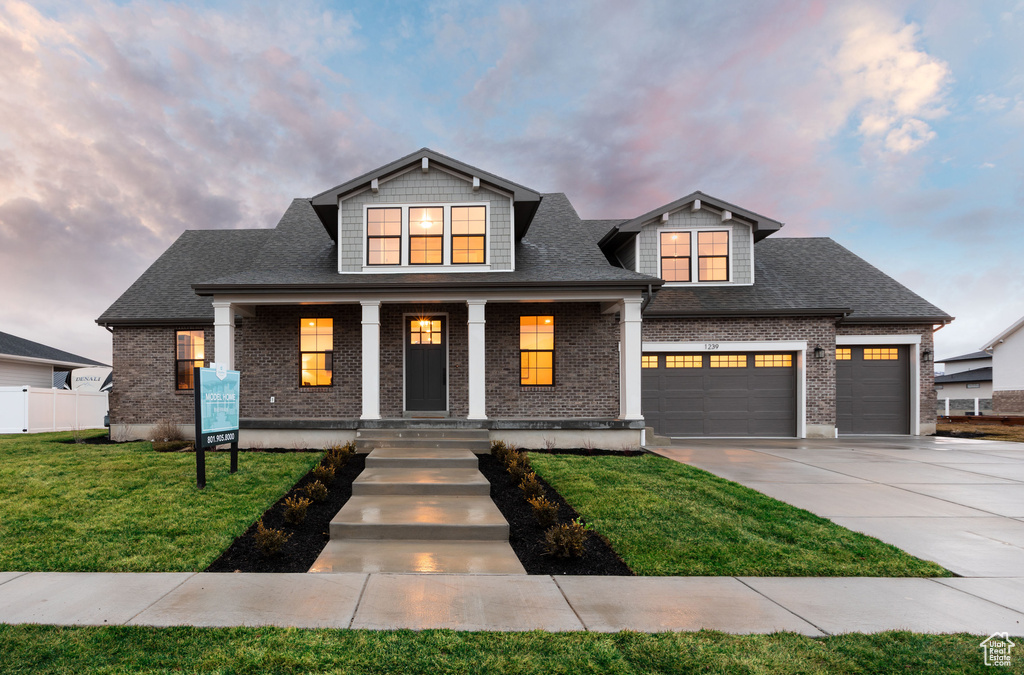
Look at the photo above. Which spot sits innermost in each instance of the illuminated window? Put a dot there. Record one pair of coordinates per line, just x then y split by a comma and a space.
713, 256
881, 354
189, 353
426, 235
316, 346
384, 236
468, 229
773, 360
537, 350
675, 256
728, 361
649, 361
684, 361
843, 354
425, 332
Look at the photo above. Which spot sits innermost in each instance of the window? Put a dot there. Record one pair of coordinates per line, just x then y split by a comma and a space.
970, 385
426, 235
649, 361
316, 346
537, 350
881, 354
713, 256
189, 353
675, 256
468, 228
843, 354
938, 386
384, 236
728, 360
425, 332
773, 360
684, 361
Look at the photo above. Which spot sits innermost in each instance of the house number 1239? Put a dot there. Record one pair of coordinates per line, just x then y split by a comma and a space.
710, 345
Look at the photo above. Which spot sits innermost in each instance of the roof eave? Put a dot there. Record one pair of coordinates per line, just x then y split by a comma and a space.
898, 319
818, 311
1005, 334
214, 289
178, 321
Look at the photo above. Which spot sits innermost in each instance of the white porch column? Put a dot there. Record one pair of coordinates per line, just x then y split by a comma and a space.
224, 333
477, 360
632, 348
371, 359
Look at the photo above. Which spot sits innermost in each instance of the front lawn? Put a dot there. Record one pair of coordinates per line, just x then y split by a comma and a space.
111, 650
125, 508
667, 518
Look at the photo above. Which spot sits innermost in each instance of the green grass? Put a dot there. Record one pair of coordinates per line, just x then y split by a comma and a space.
109, 650
667, 518
124, 508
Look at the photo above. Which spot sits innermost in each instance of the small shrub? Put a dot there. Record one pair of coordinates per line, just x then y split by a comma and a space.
173, 446
295, 509
166, 430
544, 510
510, 455
323, 473
317, 491
270, 539
549, 444
566, 540
498, 448
531, 487
518, 472
588, 445
123, 434
336, 456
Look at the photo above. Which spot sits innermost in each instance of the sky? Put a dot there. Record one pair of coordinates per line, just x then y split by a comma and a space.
893, 127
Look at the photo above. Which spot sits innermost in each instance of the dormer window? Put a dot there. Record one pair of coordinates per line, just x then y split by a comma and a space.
681, 263
427, 235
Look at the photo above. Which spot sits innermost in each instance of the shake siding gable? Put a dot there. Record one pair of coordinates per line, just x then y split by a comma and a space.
684, 219
416, 187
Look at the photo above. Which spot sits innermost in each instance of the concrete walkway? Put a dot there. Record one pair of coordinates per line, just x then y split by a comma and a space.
958, 502
809, 606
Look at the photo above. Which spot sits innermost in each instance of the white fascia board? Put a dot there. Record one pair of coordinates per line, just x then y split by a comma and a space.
718, 346
377, 295
48, 362
878, 339
1005, 334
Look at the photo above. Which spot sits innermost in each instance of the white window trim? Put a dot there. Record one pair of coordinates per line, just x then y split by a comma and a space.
712, 347
446, 264
914, 342
694, 258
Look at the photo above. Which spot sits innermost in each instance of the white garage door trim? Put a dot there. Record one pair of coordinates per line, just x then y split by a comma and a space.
914, 341
798, 346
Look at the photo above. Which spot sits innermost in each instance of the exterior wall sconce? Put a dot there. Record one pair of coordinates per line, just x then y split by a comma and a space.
926, 355
819, 353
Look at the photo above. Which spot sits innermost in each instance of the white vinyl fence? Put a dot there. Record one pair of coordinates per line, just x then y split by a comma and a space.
32, 410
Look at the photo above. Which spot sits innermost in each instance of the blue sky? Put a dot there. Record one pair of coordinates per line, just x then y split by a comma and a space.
892, 127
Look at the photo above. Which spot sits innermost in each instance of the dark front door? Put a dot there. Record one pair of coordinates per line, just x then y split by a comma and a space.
426, 367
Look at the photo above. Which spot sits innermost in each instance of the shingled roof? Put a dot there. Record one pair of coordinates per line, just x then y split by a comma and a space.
974, 375
12, 345
812, 275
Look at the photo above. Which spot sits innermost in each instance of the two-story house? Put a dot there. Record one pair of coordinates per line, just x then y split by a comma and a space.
432, 293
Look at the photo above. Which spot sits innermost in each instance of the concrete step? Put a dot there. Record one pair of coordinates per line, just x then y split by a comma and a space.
468, 434
421, 458
400, 481
465, 517
369, 443
421, 557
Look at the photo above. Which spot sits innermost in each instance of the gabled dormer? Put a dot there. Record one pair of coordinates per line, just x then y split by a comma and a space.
694, 241
426, 213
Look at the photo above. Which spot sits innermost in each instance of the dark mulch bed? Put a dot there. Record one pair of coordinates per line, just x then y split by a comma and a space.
960, 434
307, 540
527, 537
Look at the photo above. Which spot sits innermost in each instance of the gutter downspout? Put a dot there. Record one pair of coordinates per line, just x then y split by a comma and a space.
647, 300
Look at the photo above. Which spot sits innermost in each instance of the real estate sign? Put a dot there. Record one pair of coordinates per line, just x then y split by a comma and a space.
217, 397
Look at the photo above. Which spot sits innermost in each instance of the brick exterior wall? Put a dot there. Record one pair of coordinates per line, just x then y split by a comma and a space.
586, 363
144, 367
817, 331
267, 354
929, 396
1008, 402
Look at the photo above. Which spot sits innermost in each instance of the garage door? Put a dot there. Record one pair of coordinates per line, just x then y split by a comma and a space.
873, 389
750, 394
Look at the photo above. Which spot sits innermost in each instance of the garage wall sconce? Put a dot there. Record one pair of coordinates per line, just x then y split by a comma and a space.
926, 356
819, 353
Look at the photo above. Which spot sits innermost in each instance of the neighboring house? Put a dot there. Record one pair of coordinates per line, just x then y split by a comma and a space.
1007, 350
23, 362
431, 292
966, 378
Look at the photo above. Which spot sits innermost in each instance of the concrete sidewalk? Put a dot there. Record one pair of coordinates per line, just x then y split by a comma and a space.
811, 606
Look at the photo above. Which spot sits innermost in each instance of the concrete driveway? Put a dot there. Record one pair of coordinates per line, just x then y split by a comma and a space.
957, 502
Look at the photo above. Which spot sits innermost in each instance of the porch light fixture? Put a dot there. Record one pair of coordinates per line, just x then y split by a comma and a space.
926, 355
819, 353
